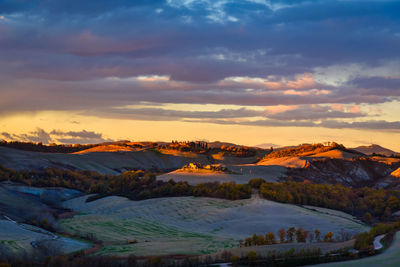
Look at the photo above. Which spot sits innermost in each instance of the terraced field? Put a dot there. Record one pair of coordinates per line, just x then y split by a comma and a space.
188, 225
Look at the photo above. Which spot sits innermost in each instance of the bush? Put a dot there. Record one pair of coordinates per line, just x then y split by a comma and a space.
256, 182
252, 256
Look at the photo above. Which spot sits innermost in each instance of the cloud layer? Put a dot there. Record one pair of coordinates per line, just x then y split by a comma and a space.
98, 57
57, 136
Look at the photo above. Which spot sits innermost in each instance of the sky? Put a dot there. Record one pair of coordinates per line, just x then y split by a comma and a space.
244, 71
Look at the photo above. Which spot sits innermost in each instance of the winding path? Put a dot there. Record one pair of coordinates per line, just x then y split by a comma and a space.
389, 257
377, 242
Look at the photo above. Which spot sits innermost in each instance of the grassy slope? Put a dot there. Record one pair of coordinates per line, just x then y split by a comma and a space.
17, 239
103, 162
188, 225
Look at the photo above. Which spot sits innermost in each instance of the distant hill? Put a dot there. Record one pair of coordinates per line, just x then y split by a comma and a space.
320, 163
267, 145
106, 160
303, 150
106, 148
377, 149
218, 144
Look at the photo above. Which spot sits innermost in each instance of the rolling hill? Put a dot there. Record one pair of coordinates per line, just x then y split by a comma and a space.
375, 149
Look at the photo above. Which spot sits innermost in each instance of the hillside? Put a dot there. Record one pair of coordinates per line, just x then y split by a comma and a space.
300, 156
396, 173
103, 162
356, 172
375, 149
177, 212
307, 150
333, 164
106, 148
117, 157
187, 225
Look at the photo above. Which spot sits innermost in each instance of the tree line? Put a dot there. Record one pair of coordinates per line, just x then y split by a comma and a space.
50, 148
135, 185
369, 204
203, 147
291, 235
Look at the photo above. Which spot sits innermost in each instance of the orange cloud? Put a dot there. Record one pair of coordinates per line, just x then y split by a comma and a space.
337, 107
301, 81
355, 109
153, 78
305, 80
307, 93
279, 108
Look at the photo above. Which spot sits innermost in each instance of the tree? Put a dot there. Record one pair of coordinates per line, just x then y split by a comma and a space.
270, 238
282, 235
300, 238
367, 217
290, 234
387, 213
254, 239
317, 235
260, 240
328, 237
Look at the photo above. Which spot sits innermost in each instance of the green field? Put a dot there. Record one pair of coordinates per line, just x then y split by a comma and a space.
189, 225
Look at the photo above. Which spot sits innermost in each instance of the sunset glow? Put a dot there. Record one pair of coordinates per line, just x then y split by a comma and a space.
248, 72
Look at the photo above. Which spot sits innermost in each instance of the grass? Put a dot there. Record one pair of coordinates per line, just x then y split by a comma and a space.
116, 233
188, 225
12, 243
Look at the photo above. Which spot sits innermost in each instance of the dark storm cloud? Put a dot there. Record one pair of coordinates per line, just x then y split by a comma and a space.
57, 55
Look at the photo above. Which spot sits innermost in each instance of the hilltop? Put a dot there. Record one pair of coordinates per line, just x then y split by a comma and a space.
375, 149
333, 163
322, 163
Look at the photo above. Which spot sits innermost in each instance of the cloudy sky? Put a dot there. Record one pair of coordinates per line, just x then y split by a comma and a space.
250, 71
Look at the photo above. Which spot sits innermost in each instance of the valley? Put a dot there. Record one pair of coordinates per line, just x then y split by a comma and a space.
118, 201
